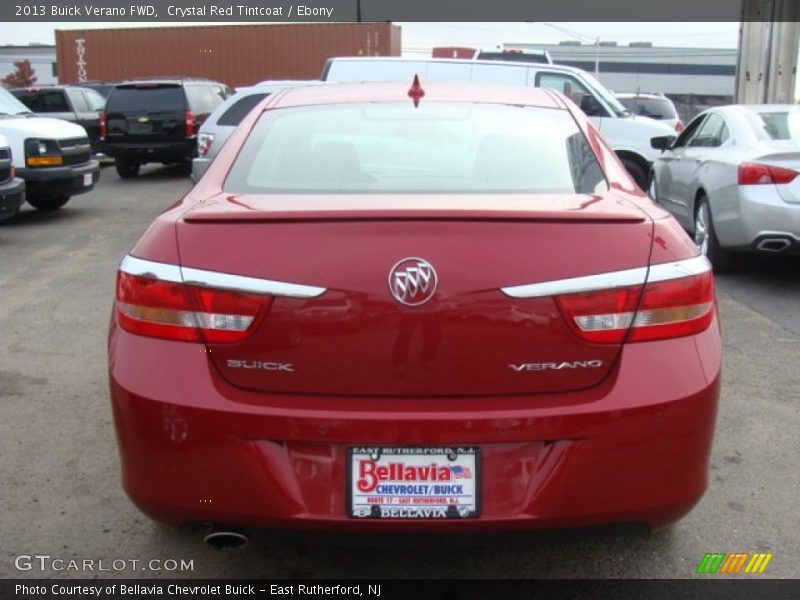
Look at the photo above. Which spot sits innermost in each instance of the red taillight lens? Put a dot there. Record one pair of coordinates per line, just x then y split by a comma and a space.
667, 309
191, 123
175, 311
755, 174
679, 126
103, 126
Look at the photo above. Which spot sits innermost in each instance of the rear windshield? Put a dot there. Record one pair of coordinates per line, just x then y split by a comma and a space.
239, 109
396, 148
146, 97
44, 101
776, 125
655, 108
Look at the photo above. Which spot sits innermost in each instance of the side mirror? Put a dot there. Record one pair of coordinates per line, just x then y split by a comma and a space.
590, 106
662, 142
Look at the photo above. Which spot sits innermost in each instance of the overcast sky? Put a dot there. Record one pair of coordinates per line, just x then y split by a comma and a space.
420, 37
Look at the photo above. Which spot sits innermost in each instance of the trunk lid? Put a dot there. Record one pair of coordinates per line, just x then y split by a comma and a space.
469, 339
786, 155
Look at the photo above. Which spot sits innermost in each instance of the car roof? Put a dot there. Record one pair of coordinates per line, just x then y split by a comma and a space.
461, 61
36, 88
434, 92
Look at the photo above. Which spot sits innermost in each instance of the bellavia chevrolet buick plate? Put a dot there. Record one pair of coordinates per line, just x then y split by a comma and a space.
440, 308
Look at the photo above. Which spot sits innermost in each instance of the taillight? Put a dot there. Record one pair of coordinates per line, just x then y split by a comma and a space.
668, 308
204, 141
191, 124
103, 126
176, 311
755, 174
679, 126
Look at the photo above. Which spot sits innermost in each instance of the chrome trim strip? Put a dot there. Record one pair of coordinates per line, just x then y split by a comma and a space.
148, 268
682, 268
249, 284
215, 279
606, 281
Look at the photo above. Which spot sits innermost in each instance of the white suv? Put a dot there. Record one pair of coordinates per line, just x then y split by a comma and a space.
628, 135
11, 187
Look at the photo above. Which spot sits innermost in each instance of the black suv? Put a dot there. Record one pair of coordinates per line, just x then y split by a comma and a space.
156, 120
71, 103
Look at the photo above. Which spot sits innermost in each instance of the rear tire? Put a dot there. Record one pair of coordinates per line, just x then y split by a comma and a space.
127, 169
48, 203
706, 238
636, 171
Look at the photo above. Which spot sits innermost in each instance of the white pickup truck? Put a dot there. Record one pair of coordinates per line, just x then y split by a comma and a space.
11, 188
52, 156
628, 135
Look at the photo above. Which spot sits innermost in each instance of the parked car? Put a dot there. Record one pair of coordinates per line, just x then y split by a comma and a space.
428, 218
221, 123
11, 187
731, 180
629, 135
53, 156
78, 105
156, 120
654, 106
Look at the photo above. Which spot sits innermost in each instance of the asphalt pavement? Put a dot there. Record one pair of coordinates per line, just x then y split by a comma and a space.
60, 492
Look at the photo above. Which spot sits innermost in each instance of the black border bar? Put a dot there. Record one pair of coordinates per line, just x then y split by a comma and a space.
228, 11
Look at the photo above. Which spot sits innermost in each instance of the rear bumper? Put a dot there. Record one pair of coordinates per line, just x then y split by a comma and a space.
51, 181
144, 152
634, 449
11, 197
760, 214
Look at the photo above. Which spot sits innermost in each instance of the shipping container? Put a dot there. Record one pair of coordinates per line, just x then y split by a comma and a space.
238, 55
454, 52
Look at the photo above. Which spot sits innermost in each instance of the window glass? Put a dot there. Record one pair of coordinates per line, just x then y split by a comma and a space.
146, 97
710, 134
79, 103
396, 148
688, 133
96, 100
572, 89
655, 108
239, 109
775, 125
44, 101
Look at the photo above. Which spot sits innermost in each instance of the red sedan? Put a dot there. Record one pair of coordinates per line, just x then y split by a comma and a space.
443, 308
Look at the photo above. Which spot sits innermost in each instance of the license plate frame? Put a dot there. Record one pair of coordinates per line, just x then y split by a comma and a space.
405, 499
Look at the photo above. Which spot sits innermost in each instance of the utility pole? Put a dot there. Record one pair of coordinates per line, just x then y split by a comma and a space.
597, 57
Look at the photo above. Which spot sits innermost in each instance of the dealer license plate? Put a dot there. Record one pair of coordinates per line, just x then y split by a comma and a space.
87, 179
413, 483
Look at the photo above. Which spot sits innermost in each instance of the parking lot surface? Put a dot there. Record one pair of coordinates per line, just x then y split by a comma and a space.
60, 490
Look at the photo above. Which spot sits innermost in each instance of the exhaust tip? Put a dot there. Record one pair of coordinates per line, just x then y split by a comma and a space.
773, 245
226, 539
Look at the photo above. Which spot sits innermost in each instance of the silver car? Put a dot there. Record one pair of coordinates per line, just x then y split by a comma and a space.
222, 122
731, 179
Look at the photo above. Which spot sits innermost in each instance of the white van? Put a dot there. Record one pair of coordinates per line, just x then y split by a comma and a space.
11, 187
629, 135
52, 156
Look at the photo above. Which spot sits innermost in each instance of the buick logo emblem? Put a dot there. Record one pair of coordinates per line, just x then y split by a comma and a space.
412, 281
